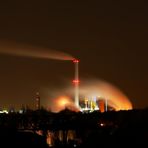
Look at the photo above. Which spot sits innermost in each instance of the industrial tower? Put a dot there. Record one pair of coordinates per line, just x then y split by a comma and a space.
37, 101
76, 82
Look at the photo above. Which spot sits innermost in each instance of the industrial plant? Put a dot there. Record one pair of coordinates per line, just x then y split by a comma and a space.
87, 104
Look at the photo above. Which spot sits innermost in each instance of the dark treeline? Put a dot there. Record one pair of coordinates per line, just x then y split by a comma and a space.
117, 129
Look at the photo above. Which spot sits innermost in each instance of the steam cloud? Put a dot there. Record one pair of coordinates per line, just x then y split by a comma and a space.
116, 98
98, 88
16, 49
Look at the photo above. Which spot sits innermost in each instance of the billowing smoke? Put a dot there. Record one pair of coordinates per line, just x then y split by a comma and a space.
116, 98
16, 49
100, 89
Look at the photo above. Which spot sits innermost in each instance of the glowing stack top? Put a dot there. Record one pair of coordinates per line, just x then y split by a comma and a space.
75, 60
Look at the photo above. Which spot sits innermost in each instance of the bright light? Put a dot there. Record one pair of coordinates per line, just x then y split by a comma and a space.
21, 111
76, 81
76, 61
63, 101
101, 124
115, 98
4, 111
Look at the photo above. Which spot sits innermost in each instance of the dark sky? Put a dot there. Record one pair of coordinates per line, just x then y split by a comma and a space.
109, 37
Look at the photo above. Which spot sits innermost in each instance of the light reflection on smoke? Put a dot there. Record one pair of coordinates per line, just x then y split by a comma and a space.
116, 98
98, 88
62, 103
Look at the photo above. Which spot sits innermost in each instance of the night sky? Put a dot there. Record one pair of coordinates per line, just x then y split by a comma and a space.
109, 38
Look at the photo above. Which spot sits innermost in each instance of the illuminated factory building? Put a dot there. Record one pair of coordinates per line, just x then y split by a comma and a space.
101, 104
92, 104
87, 103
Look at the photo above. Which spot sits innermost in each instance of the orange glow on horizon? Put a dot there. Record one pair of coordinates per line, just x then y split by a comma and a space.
63, 102
115, 98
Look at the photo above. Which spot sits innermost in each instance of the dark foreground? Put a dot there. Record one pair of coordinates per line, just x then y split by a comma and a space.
111, 129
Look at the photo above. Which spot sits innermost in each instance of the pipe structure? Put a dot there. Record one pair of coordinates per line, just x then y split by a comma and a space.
76, 82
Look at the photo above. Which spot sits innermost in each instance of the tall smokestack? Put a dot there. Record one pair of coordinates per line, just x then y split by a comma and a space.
76, 82
37, 101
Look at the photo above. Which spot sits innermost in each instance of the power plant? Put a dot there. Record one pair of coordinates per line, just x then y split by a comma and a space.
93, 103
89, 104
116, 99
86, 103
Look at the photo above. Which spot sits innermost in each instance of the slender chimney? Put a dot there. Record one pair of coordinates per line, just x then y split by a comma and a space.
76, 82
37, 101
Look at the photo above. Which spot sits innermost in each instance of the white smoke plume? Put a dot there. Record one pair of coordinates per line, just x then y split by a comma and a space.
17, 49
